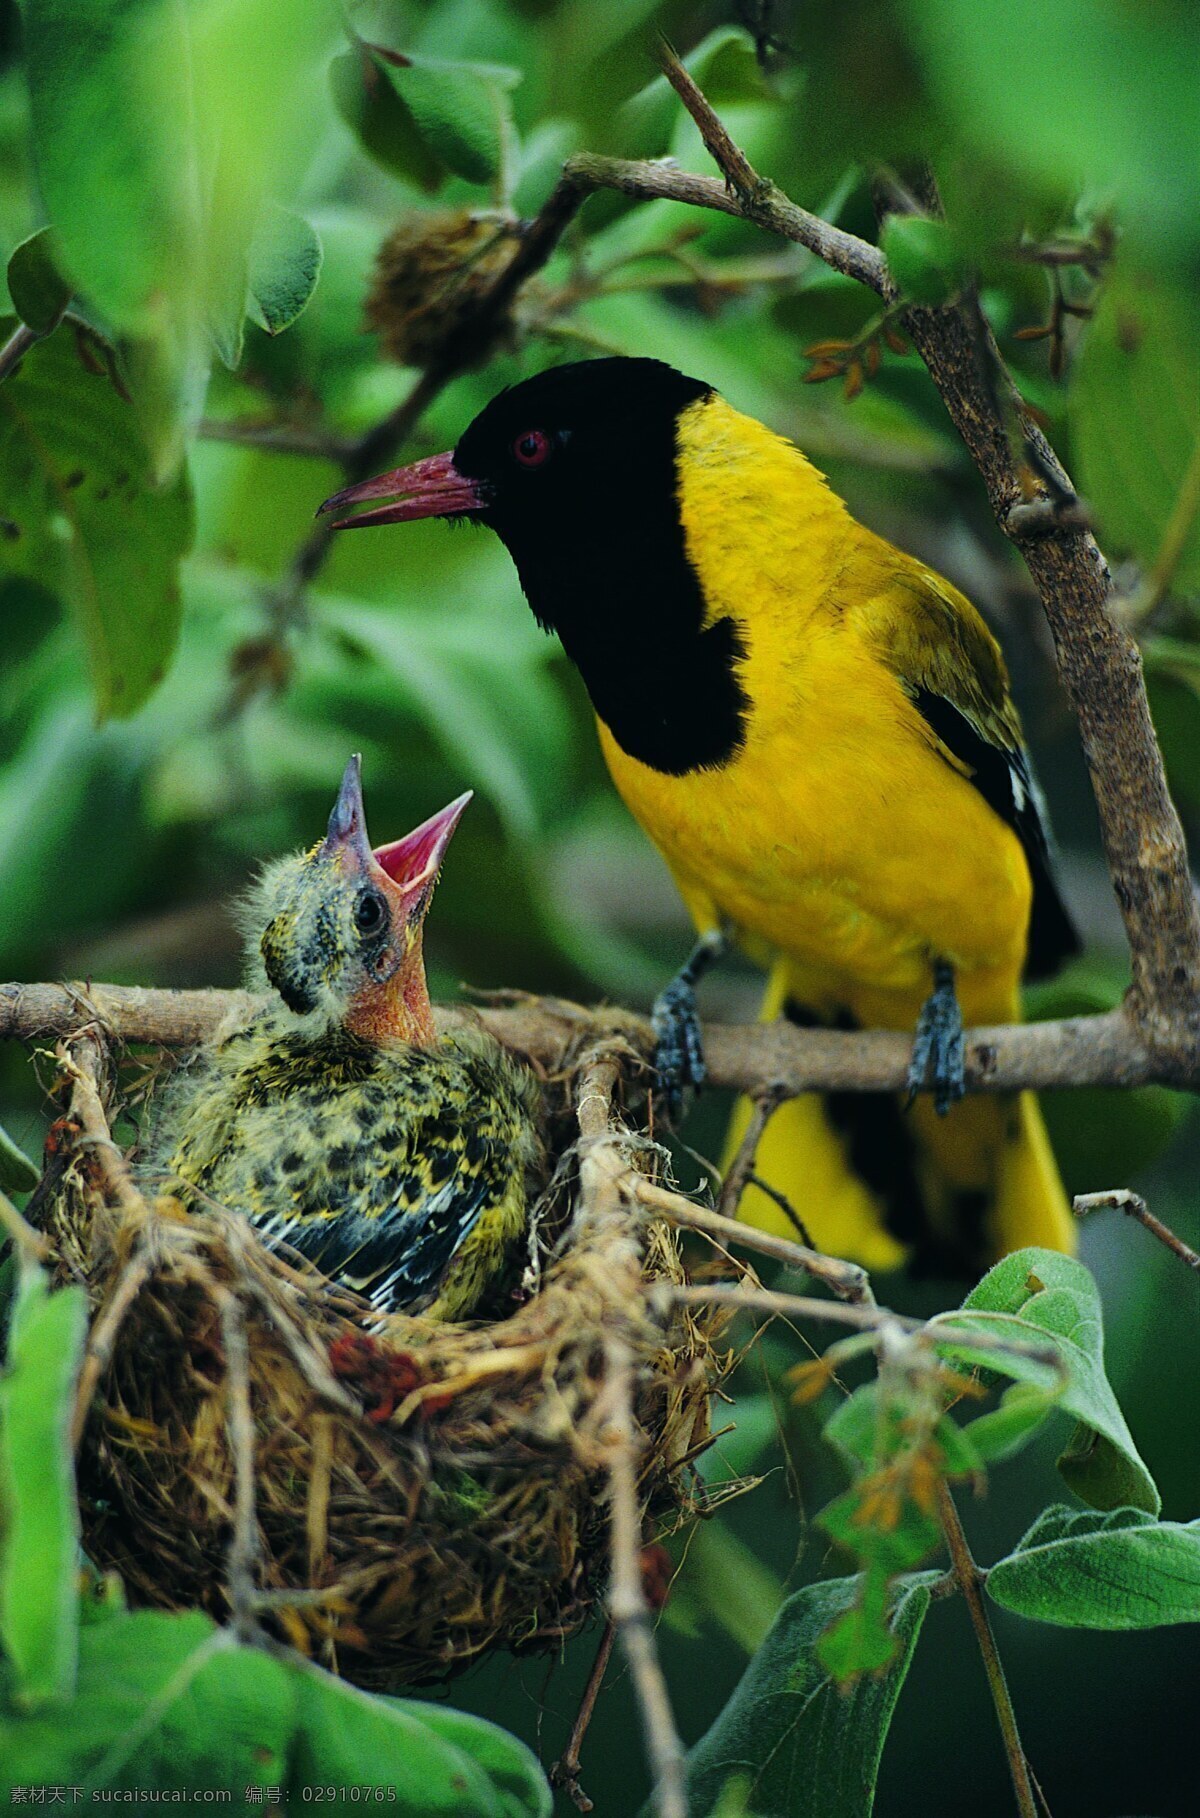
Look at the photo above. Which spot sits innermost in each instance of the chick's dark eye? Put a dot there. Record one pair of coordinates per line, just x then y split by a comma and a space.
370, 913
532, 447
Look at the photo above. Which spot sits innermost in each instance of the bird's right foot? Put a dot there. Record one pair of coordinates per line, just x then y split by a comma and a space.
678, 1045
937, 1055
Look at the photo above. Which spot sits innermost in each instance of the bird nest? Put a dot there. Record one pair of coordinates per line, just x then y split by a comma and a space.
395, 1501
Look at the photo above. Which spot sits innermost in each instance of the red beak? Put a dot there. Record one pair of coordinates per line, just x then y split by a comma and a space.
432, 488
417, 858
412, 864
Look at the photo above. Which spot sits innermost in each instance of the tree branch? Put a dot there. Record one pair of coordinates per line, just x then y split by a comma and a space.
764, 1059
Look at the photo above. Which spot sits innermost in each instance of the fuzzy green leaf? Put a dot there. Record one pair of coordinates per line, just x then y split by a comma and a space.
285, 263
163, 1703
39, 1562
82, 516
459, 109
800, 1747
349, 1739
158, 130
1116, 1571
111, 100
424, 117
1034, 1298
514, 1771
382, 121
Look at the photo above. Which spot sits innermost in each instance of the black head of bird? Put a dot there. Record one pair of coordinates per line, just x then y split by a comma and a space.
339, 928
570, 467
577, 471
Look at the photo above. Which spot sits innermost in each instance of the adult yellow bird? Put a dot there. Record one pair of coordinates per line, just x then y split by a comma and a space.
337, 1119
816, 731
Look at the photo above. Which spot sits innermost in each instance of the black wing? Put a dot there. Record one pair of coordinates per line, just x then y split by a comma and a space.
1005, 780
397, 1258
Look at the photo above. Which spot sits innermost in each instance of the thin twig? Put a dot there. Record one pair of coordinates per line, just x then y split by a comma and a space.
243, 1544
729, 158
370, 451
740, 1297
81, 1060
103, 1335
628, 1609
16, 347
565, 1772
742, 1166
844, 1279
971, 1580
1120, 1199
785, 1206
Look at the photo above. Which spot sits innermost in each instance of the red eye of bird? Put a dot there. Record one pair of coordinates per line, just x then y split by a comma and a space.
532, 447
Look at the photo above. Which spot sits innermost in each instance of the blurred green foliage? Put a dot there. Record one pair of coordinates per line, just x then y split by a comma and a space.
216, 176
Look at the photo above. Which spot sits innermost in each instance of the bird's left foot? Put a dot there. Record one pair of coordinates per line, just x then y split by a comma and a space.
937, 1055
678, 1046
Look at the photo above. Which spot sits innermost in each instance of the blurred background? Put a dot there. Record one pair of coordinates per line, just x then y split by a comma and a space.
175, 708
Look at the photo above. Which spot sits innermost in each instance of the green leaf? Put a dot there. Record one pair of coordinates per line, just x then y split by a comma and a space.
17, 1173
158, 129
164, 1703
514, 1770
1135, 416
1116, 1571
1034, 1296
460, 109
924, 257
423, 116
111, 104
285, 263
39, 292
83, 517
384, 124
39, 1564
804, 1748
348, 1738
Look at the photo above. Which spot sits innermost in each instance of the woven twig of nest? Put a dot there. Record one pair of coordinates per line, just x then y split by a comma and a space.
395, 1502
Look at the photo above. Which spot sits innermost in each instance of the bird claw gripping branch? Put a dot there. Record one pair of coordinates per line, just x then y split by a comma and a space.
678, 1044
937, 1055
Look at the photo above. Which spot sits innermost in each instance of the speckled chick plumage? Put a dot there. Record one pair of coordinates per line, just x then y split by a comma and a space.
337, 1120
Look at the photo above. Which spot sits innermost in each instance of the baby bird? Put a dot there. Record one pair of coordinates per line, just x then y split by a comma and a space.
339, 1121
